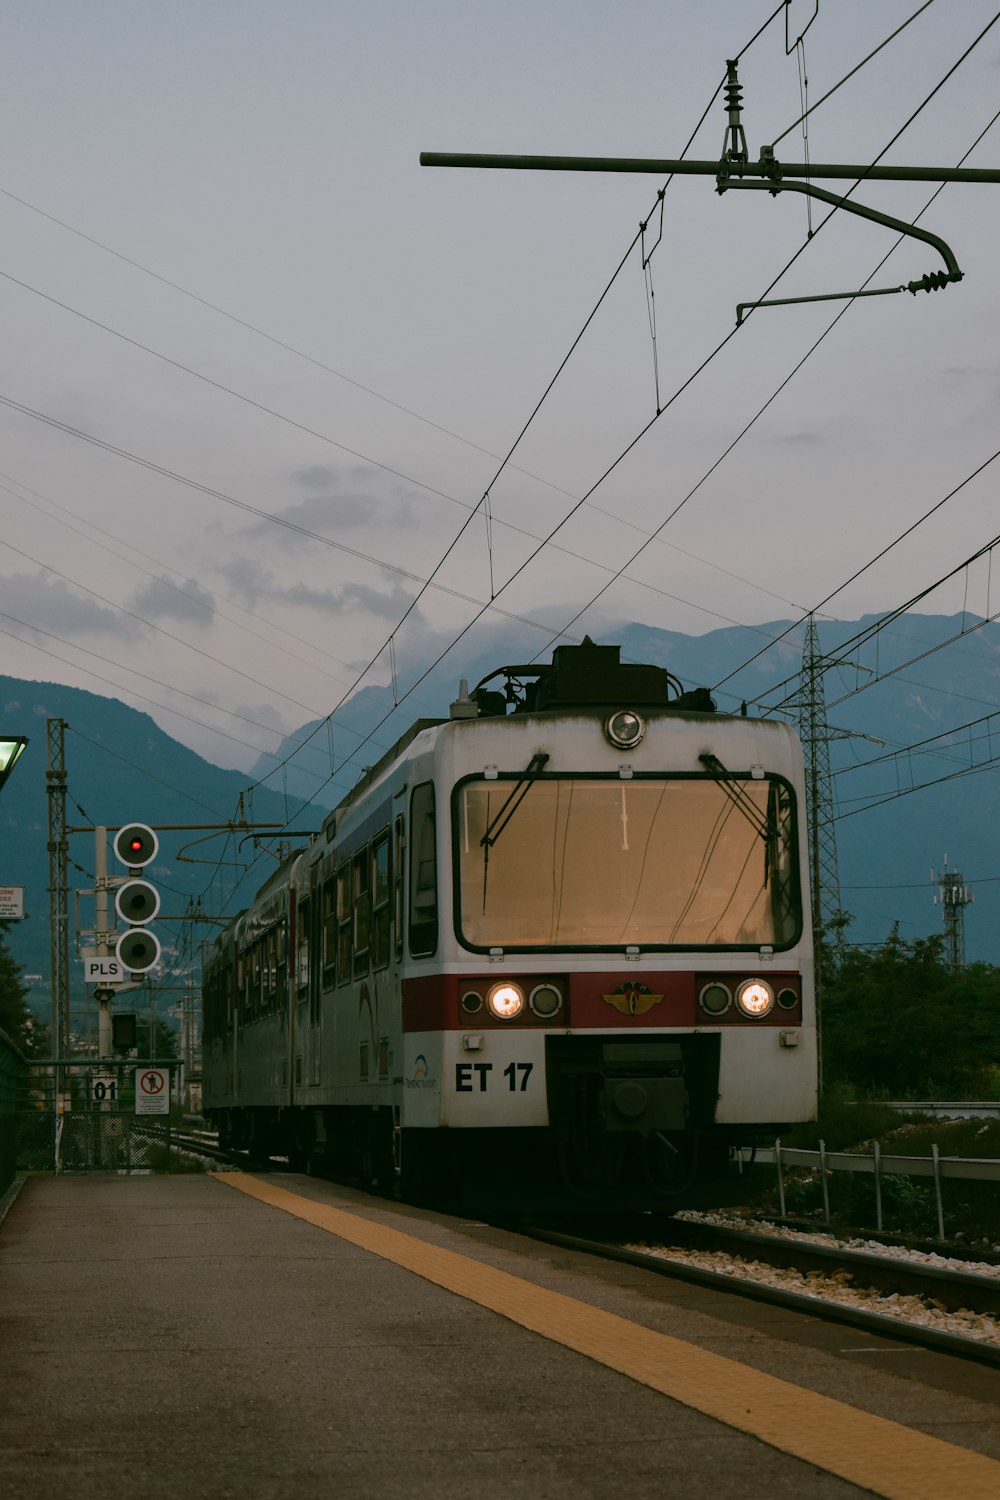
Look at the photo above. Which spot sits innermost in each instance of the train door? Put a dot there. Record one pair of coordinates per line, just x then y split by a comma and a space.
303, 951
228, 998
381, 892
327, 939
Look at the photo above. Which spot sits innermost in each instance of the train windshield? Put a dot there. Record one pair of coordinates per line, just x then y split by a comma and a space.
687, 862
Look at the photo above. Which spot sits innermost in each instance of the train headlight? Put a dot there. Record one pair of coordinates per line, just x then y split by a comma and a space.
506, 1001
545, 1000
625, 729
755, 998
715, 999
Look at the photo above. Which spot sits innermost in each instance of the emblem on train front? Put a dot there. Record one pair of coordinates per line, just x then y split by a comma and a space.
632, 999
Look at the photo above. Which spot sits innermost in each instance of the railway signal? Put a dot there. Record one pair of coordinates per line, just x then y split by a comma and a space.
137, 901
136, 845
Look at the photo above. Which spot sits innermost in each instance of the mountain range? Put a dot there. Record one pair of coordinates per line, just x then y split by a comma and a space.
886, 697
900, 686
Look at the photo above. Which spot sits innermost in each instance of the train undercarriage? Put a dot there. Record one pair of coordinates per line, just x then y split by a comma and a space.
632, 1129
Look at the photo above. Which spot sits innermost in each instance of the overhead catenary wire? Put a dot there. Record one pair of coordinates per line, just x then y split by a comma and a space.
921, 656
376, 463
885, 149
908, 791
314, 645
921, 746
278, 520
159, 629
817, 608
165, 707
582, 500
761, 410
875, 628
172, 787
697, 372
283, 521
807, 111
217, 383
130, 552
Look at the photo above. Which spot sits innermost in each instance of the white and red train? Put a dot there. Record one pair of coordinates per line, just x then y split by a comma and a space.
554, 950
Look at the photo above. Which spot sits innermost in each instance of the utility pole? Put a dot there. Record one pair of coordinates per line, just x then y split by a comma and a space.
103, 946
55, 786
954, 898
735, 170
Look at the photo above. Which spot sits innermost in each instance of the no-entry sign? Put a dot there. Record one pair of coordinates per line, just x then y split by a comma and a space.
152, 1091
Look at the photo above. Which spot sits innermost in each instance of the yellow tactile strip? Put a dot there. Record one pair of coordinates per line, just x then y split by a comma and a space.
870, 1451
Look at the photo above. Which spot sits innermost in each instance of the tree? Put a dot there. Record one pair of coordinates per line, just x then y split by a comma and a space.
899, 1021
17, 1018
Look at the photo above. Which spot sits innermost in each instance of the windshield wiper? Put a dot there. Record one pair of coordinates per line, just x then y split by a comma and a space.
766, 828
724, 779
513, 801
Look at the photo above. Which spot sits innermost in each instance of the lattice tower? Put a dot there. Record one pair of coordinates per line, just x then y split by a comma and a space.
55, 784
824, 873
954, 898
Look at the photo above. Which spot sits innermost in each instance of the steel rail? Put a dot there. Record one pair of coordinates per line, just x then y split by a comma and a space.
813, 1306
885, 1273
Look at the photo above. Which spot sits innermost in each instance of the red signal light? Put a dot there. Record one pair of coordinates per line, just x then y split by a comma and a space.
136, 844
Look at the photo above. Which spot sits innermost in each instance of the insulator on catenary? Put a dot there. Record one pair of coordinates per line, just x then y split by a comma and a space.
933, 281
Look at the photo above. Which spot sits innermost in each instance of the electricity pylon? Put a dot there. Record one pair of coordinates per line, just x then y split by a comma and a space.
55, 785
824, 870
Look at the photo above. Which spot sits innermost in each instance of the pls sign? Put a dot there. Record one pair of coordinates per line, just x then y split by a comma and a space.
108, 970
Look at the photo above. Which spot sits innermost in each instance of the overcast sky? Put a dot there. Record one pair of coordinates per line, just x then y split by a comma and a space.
221, 256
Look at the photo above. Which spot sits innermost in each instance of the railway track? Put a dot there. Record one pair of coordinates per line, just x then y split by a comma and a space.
744, 1263
205, 1143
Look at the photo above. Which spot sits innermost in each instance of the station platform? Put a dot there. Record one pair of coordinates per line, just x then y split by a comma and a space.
269, 1336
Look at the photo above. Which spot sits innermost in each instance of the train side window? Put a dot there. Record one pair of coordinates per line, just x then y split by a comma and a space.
281, 961
380, 901
423, 872
255, 983
270, 973
329, 938
361, 874
230, 998
398, 854
210, 1003
345, 921
302, 947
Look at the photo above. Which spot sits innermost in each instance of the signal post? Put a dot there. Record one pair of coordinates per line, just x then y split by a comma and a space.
136, 950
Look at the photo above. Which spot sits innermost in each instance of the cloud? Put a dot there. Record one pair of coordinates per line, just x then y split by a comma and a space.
332, 513
29, 598
258, 589
318, 477
388, 606
798, 439
161, 599
248, 580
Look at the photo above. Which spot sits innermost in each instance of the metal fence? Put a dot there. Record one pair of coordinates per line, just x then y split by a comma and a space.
96, 1115
879, 1165
11, 1067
